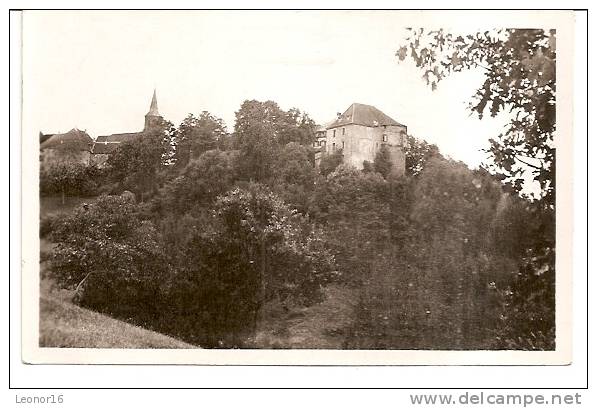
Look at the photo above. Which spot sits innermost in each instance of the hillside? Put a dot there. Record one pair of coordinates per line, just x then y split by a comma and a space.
63, 324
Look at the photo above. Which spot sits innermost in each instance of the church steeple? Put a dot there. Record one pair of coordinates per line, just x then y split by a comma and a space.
153, 117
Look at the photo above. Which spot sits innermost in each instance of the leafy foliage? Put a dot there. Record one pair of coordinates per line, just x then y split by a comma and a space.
107, 253
383, 162
417, 154
255, 250
256, 132
428, 286
199, 183
196, 135
261, 129
352, 208
443, 257
519, 67
284, 251
69, 178
520, 79
295, 175
137, 164
330, 162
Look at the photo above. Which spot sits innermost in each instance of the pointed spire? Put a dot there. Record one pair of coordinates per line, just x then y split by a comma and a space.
153, 109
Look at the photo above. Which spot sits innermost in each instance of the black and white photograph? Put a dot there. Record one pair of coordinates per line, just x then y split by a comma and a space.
323, 181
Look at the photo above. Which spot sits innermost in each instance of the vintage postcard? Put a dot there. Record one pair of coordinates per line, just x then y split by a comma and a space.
297, 187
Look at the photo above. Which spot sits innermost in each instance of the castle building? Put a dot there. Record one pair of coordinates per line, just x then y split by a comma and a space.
360, 132
106, 145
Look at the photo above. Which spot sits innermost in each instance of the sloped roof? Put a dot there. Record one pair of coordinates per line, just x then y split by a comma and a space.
366, 115
74, 139
118, 137
153, 108
108, 143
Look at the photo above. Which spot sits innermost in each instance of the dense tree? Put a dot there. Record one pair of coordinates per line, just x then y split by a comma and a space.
367, 166
296, 127
199, 183
329, 162
428, 286
383, 162
104, 250
281, 254
196, 135
442, 258
256, 133
295, 175
417, 153
353, 208
137, 164
262, 129
69, 178
519, 78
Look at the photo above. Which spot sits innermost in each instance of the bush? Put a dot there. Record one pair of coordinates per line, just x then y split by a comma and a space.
69, 179
329, 162
198, 184
204, 277
108, 255
46, 225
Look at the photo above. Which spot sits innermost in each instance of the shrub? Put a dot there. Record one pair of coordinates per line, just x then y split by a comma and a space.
69, 179
202, 277
46, 225
199, 183
329, 162
383, 162
111, 257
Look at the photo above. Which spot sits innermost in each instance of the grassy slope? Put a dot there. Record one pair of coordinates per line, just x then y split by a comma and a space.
63, 324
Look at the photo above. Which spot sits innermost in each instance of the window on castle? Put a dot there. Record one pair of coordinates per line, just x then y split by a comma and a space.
334, 134
343, 145
343, 131
334, 147
384, 138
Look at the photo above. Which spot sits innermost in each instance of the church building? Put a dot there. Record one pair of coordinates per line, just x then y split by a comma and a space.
105, 145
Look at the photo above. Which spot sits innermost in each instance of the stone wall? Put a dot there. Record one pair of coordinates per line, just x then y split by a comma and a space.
360, 143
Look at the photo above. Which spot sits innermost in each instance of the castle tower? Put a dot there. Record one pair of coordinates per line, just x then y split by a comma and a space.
153, 117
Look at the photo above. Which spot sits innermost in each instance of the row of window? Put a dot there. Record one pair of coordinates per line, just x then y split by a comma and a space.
322, 143
384, 136
334, 132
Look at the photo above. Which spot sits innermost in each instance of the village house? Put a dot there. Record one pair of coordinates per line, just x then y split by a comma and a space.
72, 146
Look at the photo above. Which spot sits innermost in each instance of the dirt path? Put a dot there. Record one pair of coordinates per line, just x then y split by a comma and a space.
321, 326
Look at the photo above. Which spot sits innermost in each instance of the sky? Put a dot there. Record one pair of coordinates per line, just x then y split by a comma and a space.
97, 71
